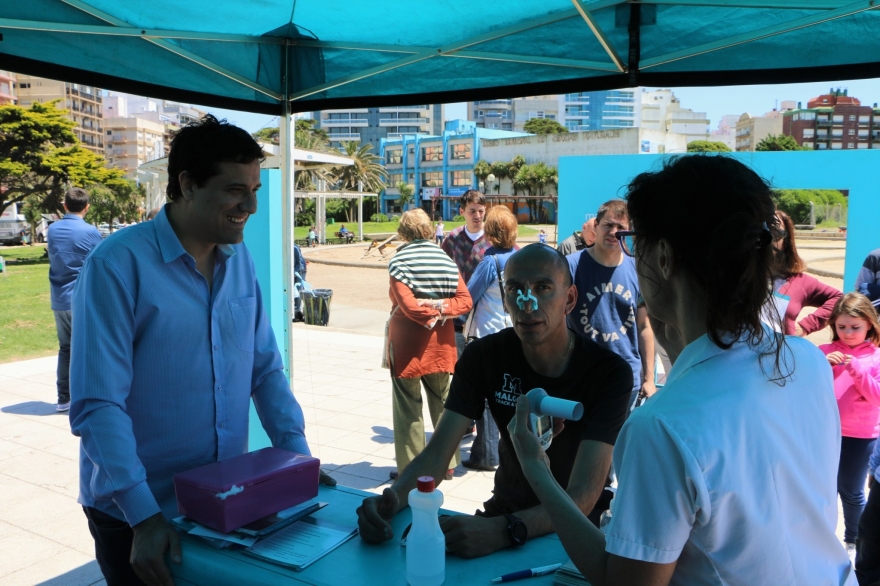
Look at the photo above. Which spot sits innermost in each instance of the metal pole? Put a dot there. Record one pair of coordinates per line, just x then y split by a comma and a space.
360, 211
287, 201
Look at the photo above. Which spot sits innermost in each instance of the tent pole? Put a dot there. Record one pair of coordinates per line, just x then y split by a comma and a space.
287, 204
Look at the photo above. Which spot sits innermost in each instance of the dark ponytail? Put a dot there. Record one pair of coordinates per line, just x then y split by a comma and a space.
719, 218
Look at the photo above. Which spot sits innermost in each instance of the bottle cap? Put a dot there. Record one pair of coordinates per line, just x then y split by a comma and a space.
426, 484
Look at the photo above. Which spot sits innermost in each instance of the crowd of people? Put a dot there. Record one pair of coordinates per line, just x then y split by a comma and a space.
728, 473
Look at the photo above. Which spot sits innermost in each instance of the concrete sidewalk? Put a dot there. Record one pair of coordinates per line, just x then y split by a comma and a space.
346, 398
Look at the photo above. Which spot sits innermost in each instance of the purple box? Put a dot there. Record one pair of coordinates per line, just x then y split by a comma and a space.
229, 494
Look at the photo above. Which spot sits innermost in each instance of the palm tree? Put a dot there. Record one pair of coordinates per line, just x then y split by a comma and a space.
481, 171
407, 193
500, 170
306, 138
367, 172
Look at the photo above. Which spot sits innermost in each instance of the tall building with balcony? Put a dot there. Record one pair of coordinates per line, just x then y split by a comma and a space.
172, 115
372, 125
834, 121
130, 142
662, 110
493, 114
600, 110
7, 88
750, 130
83, 104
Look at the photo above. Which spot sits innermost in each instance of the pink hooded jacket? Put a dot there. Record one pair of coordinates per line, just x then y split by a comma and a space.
857, 389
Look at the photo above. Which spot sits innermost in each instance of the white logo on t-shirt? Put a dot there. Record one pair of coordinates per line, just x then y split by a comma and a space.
510, 391
620, 290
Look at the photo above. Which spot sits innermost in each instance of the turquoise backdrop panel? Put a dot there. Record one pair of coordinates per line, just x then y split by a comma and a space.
586, 182
262, 236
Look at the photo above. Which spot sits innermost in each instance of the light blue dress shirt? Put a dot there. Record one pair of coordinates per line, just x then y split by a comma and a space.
163, 369
70, 240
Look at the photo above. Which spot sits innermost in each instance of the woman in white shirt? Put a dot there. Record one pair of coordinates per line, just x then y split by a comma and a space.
727, 474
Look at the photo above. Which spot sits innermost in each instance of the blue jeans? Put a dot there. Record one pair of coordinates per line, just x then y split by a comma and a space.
868, 541
62, 373
851, 476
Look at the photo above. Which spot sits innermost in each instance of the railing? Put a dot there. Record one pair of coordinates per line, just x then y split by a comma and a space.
489, 102
396, 108
344, 136
402, 121
821, 122
345, 122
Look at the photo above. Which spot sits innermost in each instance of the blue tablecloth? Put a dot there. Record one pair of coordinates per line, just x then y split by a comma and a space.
357, 563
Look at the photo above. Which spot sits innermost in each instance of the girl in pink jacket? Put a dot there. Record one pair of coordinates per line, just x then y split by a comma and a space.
855, 361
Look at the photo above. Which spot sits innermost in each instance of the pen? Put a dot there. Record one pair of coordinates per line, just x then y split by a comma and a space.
542, 571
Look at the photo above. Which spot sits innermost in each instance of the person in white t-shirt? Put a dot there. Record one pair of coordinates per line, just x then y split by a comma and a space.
727, 475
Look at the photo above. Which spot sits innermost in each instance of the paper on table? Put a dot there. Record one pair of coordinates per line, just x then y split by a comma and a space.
203, 531
302, 543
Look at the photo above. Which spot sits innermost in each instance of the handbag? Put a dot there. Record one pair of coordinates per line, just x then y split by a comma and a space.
470, 318
386, 346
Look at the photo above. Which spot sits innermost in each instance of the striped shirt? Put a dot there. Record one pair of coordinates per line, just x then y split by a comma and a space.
424, 268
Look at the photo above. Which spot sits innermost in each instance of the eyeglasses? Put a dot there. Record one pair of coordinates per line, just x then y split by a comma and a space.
626, 239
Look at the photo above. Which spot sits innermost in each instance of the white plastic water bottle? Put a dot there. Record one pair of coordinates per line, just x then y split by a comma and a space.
425, 544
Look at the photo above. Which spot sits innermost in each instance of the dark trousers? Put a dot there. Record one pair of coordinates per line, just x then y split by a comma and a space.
851, 476
62, 373
112, 548
868, 541
484, 450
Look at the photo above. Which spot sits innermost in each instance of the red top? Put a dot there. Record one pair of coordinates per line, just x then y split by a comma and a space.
806, 291
417, 350
426, 484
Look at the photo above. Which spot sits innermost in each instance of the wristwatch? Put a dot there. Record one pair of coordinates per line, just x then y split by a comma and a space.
516, 530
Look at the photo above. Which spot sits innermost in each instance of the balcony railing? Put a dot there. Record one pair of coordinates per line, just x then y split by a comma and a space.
408, 108
357, 122
344, 136
402, 121
823, 122
493, 102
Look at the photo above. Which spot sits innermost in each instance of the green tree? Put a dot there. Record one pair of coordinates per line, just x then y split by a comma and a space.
516, 163
367, 172
482, 170
779, 142
707, 146
500, 170
116, 200
29, 138
271, 134
544, 126
407, 193
33, 215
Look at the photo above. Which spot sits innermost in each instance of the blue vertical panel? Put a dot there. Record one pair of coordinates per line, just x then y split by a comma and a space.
586, 182
262, 235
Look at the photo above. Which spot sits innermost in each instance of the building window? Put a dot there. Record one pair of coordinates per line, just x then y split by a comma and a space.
852, 117
851, 131
808, 145
460, 151
394, 179
838, 118
393, 157
836, 146
460, 178
109, 133
434, 153
864, 119
480, 113
850, 145
808, 132
432, 179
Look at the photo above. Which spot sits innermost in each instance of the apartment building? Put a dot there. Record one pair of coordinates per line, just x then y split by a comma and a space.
600, 110
172, 115
130, 142
662, 111
372, 125
497, 114
834, 121
7, 88
83, 104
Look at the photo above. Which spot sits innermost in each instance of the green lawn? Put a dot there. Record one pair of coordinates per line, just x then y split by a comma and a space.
302, 232
27, 324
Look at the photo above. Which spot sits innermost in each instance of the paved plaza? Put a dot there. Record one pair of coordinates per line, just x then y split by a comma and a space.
44, 539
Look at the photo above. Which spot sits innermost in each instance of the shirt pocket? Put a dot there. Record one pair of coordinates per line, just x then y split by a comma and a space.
244, 312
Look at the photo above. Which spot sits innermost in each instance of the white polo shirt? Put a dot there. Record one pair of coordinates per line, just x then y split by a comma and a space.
732, 475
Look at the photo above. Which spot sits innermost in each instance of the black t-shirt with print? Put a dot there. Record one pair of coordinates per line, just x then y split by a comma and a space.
494, 368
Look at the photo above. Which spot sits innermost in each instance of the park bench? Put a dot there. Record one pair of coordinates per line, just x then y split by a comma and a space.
346, 238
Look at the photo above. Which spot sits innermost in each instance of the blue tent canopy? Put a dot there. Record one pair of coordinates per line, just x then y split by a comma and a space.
319, 54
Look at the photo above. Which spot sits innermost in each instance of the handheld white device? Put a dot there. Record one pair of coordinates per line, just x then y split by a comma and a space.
543, 408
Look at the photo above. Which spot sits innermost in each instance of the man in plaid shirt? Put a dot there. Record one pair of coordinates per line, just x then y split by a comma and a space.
466, 246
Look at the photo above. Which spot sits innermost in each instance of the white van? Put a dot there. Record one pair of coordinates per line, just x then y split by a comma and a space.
11, 224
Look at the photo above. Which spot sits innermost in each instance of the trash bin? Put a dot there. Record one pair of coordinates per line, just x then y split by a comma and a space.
316, 306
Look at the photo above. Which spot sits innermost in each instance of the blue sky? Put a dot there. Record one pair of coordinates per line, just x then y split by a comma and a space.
715, 101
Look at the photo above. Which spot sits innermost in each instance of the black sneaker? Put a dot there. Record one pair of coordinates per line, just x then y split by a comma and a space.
475, 466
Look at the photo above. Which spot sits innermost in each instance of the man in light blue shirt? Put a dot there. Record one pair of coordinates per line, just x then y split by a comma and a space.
70, 240
170, 343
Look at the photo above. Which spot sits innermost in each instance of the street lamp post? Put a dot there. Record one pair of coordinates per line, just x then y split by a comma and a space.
490, 178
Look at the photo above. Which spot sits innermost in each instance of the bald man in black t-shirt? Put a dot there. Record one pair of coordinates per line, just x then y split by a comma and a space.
539, 351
